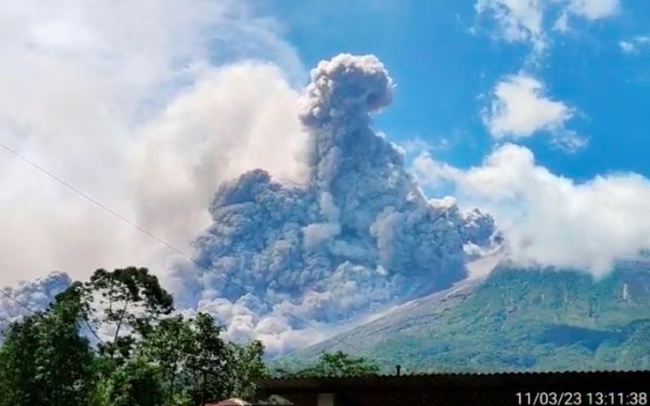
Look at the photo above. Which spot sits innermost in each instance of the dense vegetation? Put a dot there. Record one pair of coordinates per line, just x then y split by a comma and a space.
516, 320
335, 364
153, 357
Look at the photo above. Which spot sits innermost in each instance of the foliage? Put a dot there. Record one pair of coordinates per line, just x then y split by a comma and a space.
129, 301
169, 345
519, 320
151, 358
223, 369
135, 383
18, 364
339, 364
248, 367
45, 360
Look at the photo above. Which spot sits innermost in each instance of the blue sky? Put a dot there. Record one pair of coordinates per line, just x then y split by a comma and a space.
532, 110
443, 55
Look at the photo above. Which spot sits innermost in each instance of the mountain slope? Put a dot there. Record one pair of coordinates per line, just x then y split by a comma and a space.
359, 233
352, 231
515, 320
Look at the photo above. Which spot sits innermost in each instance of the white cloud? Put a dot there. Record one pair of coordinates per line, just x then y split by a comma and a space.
519, 108
627, 47
592, 9
518, 20
525, 20
562, 23
90, 91
635, 45
233, 119
549, 219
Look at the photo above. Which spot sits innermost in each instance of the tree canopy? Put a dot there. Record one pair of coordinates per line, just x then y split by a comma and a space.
114, 340
149, 358
339, 364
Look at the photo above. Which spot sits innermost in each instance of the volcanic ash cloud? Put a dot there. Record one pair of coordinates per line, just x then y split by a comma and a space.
359, 234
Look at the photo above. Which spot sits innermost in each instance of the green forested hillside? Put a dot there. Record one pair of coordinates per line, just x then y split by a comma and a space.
516, 320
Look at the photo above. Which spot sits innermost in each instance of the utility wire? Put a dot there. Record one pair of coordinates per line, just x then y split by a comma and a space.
157, 239
32, 311
18, 302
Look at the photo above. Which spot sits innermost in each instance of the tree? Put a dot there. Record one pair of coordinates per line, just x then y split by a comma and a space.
126, 301
135, 383
210, 364
247, 368
45, 360
149, 359
170, 345
64, 357
340, 364
18, 384
198, 364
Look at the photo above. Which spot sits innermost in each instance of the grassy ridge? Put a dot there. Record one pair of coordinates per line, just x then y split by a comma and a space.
520, 320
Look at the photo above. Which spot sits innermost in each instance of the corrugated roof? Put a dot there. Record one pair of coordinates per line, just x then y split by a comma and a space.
455, 389
471, 374
459, 379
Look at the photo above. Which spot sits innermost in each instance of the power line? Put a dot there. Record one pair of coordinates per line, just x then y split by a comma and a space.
155, 238
32, 311
18, 302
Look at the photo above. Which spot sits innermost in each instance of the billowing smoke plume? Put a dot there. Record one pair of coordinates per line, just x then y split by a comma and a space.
359, 234
30, 296
356, 234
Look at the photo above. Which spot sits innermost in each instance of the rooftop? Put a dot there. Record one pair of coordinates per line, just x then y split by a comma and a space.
441, 389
